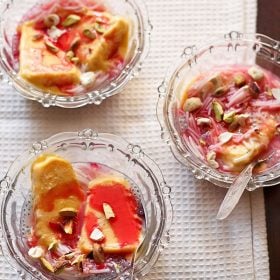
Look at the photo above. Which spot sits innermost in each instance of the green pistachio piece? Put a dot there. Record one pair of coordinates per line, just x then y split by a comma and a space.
75, 60
239, 80
51, 20
192, 104
255, 73
229, 116
218, 111
51, 47
75, 43
68, 227
99, 28
46, 264
71, 20
68, 212
37, 37
70, 55
89, 33
220, 91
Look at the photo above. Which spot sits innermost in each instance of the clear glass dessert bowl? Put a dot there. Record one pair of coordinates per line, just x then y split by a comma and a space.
231, 49
85, 147
138, 46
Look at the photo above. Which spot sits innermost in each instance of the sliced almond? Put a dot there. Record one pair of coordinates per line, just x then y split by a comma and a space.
225, 137
46, 264
203, 121
68, 227
69, 256
211, 159
276, 93
98, 253
97, 235
108, 211
68, 212
36, 252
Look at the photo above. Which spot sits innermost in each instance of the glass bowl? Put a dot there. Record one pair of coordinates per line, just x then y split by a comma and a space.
229, 49
85, 146
138, 49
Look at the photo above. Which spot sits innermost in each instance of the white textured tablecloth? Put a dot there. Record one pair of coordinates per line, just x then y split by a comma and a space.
201, 247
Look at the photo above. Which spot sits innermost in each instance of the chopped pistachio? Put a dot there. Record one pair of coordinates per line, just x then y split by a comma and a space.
225, 137
79, 261
69, 256
54, 32
108, 211
37, 37
89, 33
75, 43
36, 252
276, 93
70, 55
254, 89
75, 60
71, 20
242, 118
192, 104
68, 212
218, 111
239, 80
51, 20
220, 91
51, 47
52, 245
255, 73
229, 116
46, 264
97, 235
99, 28
98, 253
68, 227
203, 121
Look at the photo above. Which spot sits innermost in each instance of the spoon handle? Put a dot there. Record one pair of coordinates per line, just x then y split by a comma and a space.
235, 191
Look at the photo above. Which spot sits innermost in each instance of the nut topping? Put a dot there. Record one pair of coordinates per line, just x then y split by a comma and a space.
71, 20
36, 252
51, 20
98, 253
192, 104
108, 211
218, 110
256, 73
51, 47
68, 212
46, 264
89, 33
97, 235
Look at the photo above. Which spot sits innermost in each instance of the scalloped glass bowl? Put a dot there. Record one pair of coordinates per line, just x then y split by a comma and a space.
230, 49
135, 10
85, 146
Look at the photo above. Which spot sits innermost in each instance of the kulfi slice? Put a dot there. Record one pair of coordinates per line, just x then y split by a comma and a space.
111, 217
56, 193
42, 66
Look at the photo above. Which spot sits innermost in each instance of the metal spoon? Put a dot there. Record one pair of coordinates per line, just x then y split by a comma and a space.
237, 188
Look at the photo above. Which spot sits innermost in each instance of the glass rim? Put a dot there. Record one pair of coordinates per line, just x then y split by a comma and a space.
96, 96
169, 133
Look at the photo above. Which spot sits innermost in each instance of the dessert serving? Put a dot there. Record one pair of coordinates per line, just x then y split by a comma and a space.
87, 221
231, 116
84, 205
69, 47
